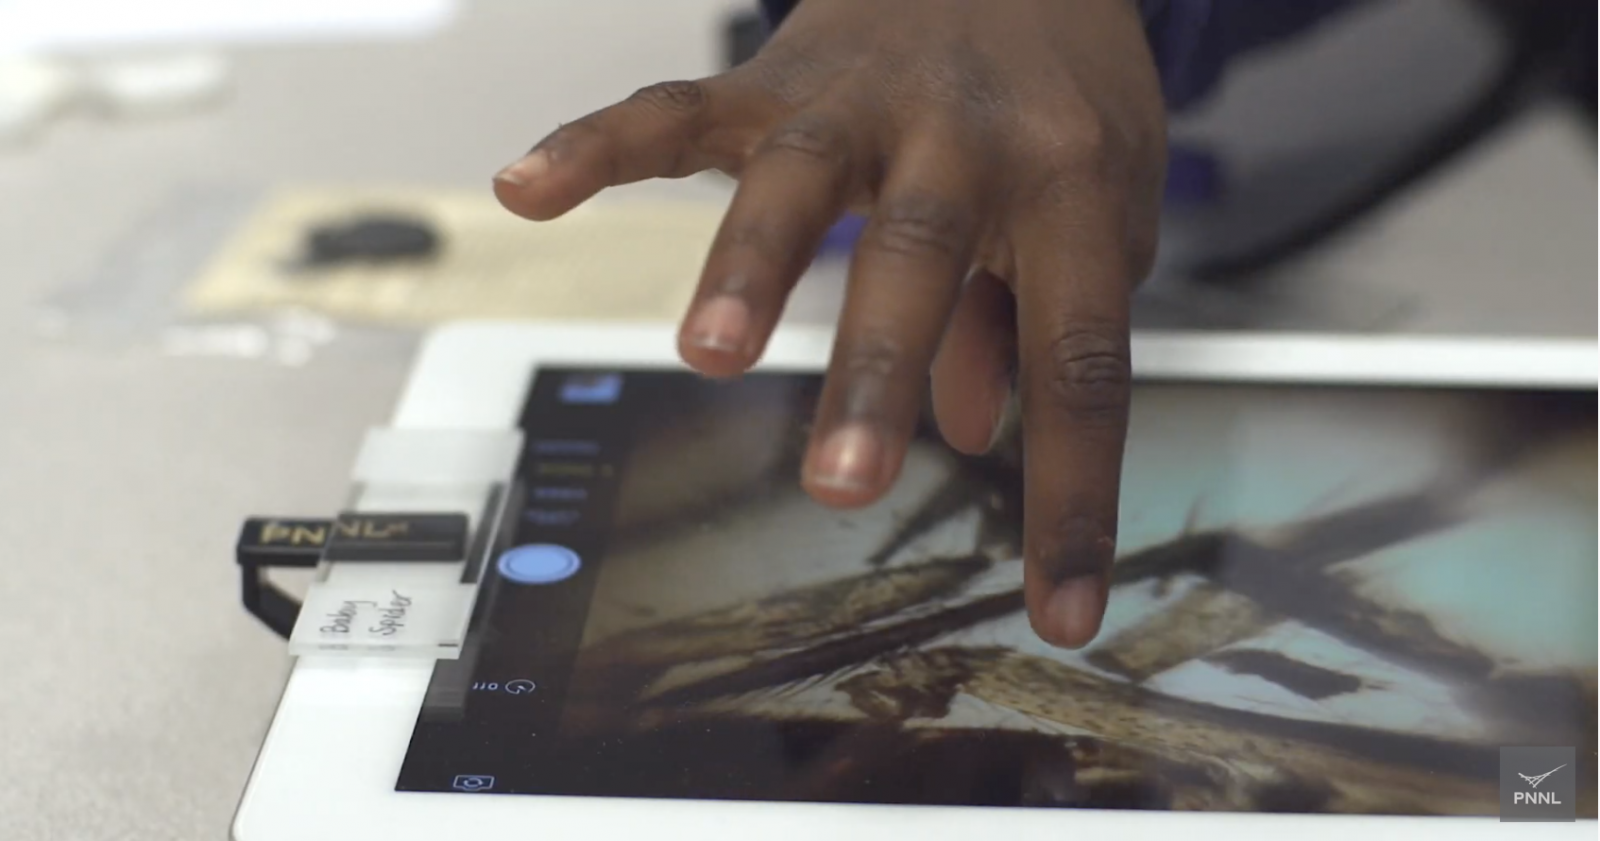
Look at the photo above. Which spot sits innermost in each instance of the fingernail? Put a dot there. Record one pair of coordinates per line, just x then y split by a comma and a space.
851, 459
720, 324
1073, 611
525, 169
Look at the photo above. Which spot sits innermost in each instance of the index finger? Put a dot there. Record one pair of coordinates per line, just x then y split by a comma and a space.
666, 130
1075, 384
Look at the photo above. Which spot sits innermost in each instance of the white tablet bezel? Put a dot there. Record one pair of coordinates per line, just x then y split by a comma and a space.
330, 759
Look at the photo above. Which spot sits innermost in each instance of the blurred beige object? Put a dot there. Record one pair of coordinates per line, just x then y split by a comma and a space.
158, 85
32, 92
620, 259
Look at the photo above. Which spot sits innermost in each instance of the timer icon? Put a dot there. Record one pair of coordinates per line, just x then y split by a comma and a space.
520, 686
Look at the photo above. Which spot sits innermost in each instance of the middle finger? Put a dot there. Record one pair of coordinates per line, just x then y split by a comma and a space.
904, 278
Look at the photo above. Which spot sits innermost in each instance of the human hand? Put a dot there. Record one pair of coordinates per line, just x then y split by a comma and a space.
1010, 154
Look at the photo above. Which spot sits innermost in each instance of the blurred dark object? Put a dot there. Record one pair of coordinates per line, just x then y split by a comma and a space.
1194, 177
743, 33
370, 239
1578, 64
1551, 50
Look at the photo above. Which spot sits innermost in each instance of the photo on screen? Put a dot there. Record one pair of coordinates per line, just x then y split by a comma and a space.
1325, 600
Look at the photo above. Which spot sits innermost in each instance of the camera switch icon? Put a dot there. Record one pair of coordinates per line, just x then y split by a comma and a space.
473, 782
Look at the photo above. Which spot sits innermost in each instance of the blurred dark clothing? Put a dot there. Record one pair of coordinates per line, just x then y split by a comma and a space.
1193, 40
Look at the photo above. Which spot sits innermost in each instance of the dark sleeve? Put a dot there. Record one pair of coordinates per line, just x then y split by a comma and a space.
1193, 40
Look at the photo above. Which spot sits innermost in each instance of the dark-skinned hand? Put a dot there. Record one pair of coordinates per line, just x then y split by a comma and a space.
1010, 156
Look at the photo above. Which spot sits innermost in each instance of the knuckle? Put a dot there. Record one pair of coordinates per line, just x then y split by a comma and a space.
1090, 377
1086, 143
817, 140
918, 225
873, 357
568, 134
1082, 546
754, 237
680, 97
1072, 161
786, 72
979, 90
870, 375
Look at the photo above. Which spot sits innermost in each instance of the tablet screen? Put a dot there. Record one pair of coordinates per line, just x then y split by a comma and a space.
1327, 599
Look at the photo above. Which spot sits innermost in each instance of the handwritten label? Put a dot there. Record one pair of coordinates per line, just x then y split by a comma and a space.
389, 618
392, 619
383, 619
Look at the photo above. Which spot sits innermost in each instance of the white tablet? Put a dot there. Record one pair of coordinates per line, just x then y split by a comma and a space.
1351, 571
